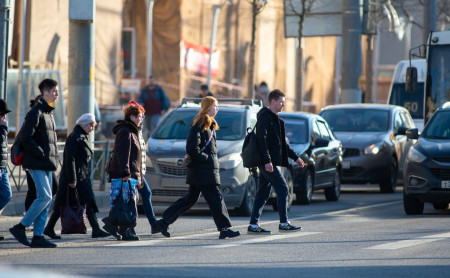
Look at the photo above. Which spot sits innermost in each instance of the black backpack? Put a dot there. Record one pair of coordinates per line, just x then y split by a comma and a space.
251, 156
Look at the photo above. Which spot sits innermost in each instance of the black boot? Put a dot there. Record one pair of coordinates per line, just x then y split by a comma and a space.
50, 228
110, 228
93, 221
127, 234
161, 226
228, 233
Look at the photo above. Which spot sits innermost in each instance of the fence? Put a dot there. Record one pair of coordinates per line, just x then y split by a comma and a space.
101, 151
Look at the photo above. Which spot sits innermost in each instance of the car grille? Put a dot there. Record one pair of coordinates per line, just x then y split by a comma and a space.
171, 169
351, 152
353, 171
444, 159
442, 174
169, 193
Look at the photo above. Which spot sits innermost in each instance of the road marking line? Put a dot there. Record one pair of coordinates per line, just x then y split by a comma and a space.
410, 242
156, 241
261, 239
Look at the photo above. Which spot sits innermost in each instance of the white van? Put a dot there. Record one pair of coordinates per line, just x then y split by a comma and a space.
413, 101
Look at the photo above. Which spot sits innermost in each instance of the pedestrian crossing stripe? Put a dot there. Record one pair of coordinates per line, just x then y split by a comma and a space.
410, 242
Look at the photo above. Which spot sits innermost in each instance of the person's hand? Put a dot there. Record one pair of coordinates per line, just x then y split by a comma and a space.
127, 178
269, 167
3, 121
73, 185
300, 162
162, 112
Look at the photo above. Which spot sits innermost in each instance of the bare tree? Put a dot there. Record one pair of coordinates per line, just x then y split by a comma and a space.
301, 12
257, 7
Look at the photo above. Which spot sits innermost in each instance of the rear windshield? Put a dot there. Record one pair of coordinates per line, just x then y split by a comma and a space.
177, 124
365, 120
438, 127
296, 130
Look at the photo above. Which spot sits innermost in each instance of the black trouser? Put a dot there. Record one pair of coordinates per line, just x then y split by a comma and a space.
212, 196
90, 214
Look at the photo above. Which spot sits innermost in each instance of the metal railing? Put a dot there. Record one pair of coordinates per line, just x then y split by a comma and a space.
102, 149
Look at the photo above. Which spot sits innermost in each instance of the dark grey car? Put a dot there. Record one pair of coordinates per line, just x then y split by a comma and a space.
373, 139
427, 167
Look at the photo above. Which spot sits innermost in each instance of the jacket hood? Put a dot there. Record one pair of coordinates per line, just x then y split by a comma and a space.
125, 123
265, 110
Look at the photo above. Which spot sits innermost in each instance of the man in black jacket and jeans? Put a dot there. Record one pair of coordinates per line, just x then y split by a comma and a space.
271, 138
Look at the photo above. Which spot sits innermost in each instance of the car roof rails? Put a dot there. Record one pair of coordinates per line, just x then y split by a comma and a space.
190, 102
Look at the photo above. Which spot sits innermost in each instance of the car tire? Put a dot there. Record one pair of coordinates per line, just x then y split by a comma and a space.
412, 206
249, 197
389, 184
304, 195
440, 205
290, 183
333, 193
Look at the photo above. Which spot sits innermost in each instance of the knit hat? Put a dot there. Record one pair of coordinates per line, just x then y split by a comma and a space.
86, 119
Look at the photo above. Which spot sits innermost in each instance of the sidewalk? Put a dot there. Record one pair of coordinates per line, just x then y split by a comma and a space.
16, 206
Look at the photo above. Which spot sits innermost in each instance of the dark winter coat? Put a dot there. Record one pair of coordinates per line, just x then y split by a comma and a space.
271, 137
127, 156
4, 146
38, 138
204, 168
76, 169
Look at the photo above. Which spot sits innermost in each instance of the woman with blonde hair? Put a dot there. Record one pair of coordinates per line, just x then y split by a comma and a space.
202, 173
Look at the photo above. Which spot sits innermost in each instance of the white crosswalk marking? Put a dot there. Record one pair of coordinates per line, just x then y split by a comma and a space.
260, 239
410, 242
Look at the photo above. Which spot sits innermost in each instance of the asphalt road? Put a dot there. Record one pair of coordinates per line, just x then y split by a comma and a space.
364, 234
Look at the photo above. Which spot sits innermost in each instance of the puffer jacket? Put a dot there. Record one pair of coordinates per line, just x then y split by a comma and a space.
204, 168
127, 155
271, 138
38, 138
4, 146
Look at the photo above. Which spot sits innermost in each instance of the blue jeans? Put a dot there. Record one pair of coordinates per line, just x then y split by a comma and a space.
5, 188
150, 123
266, 180
38, 210
146, 195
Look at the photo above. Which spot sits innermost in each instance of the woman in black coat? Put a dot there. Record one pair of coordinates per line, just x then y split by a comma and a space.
202, 173
76, 175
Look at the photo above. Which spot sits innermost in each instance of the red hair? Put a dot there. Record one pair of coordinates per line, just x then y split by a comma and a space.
133, 109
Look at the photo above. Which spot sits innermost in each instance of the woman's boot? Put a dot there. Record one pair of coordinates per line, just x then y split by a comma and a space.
93, 221
50, 228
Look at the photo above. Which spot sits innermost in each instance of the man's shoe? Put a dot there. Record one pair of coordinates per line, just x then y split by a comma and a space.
258, 230
288, 228
51, 234
19, 234
41, 242
2, 238
228, 233
99, 233
129, 236
160, 227
110, 228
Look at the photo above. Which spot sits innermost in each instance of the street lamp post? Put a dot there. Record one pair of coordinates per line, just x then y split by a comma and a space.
216, 10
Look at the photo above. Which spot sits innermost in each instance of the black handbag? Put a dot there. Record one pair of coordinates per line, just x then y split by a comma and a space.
72, 217
123, 213
251, 156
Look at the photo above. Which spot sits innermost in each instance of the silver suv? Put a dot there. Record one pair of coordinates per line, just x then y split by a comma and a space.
167, 147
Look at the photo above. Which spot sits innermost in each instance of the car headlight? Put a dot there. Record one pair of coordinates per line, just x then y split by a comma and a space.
230, 161
415, 156
374, 148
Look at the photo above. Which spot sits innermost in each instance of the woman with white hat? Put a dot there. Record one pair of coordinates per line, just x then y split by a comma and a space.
76, 175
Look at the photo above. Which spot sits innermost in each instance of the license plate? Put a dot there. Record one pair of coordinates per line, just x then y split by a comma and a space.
445, 184
346, 164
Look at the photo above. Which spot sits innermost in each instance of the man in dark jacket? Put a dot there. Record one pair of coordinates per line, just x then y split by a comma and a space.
5, 187
38, 140
155, 103
271, 138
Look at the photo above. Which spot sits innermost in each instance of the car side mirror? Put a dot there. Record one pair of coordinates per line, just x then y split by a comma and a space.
402, 130
411, 79
412, 133
321, 142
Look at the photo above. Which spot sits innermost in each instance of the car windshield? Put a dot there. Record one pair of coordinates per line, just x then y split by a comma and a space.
438, 127
361, 120
177, 124
296, 130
